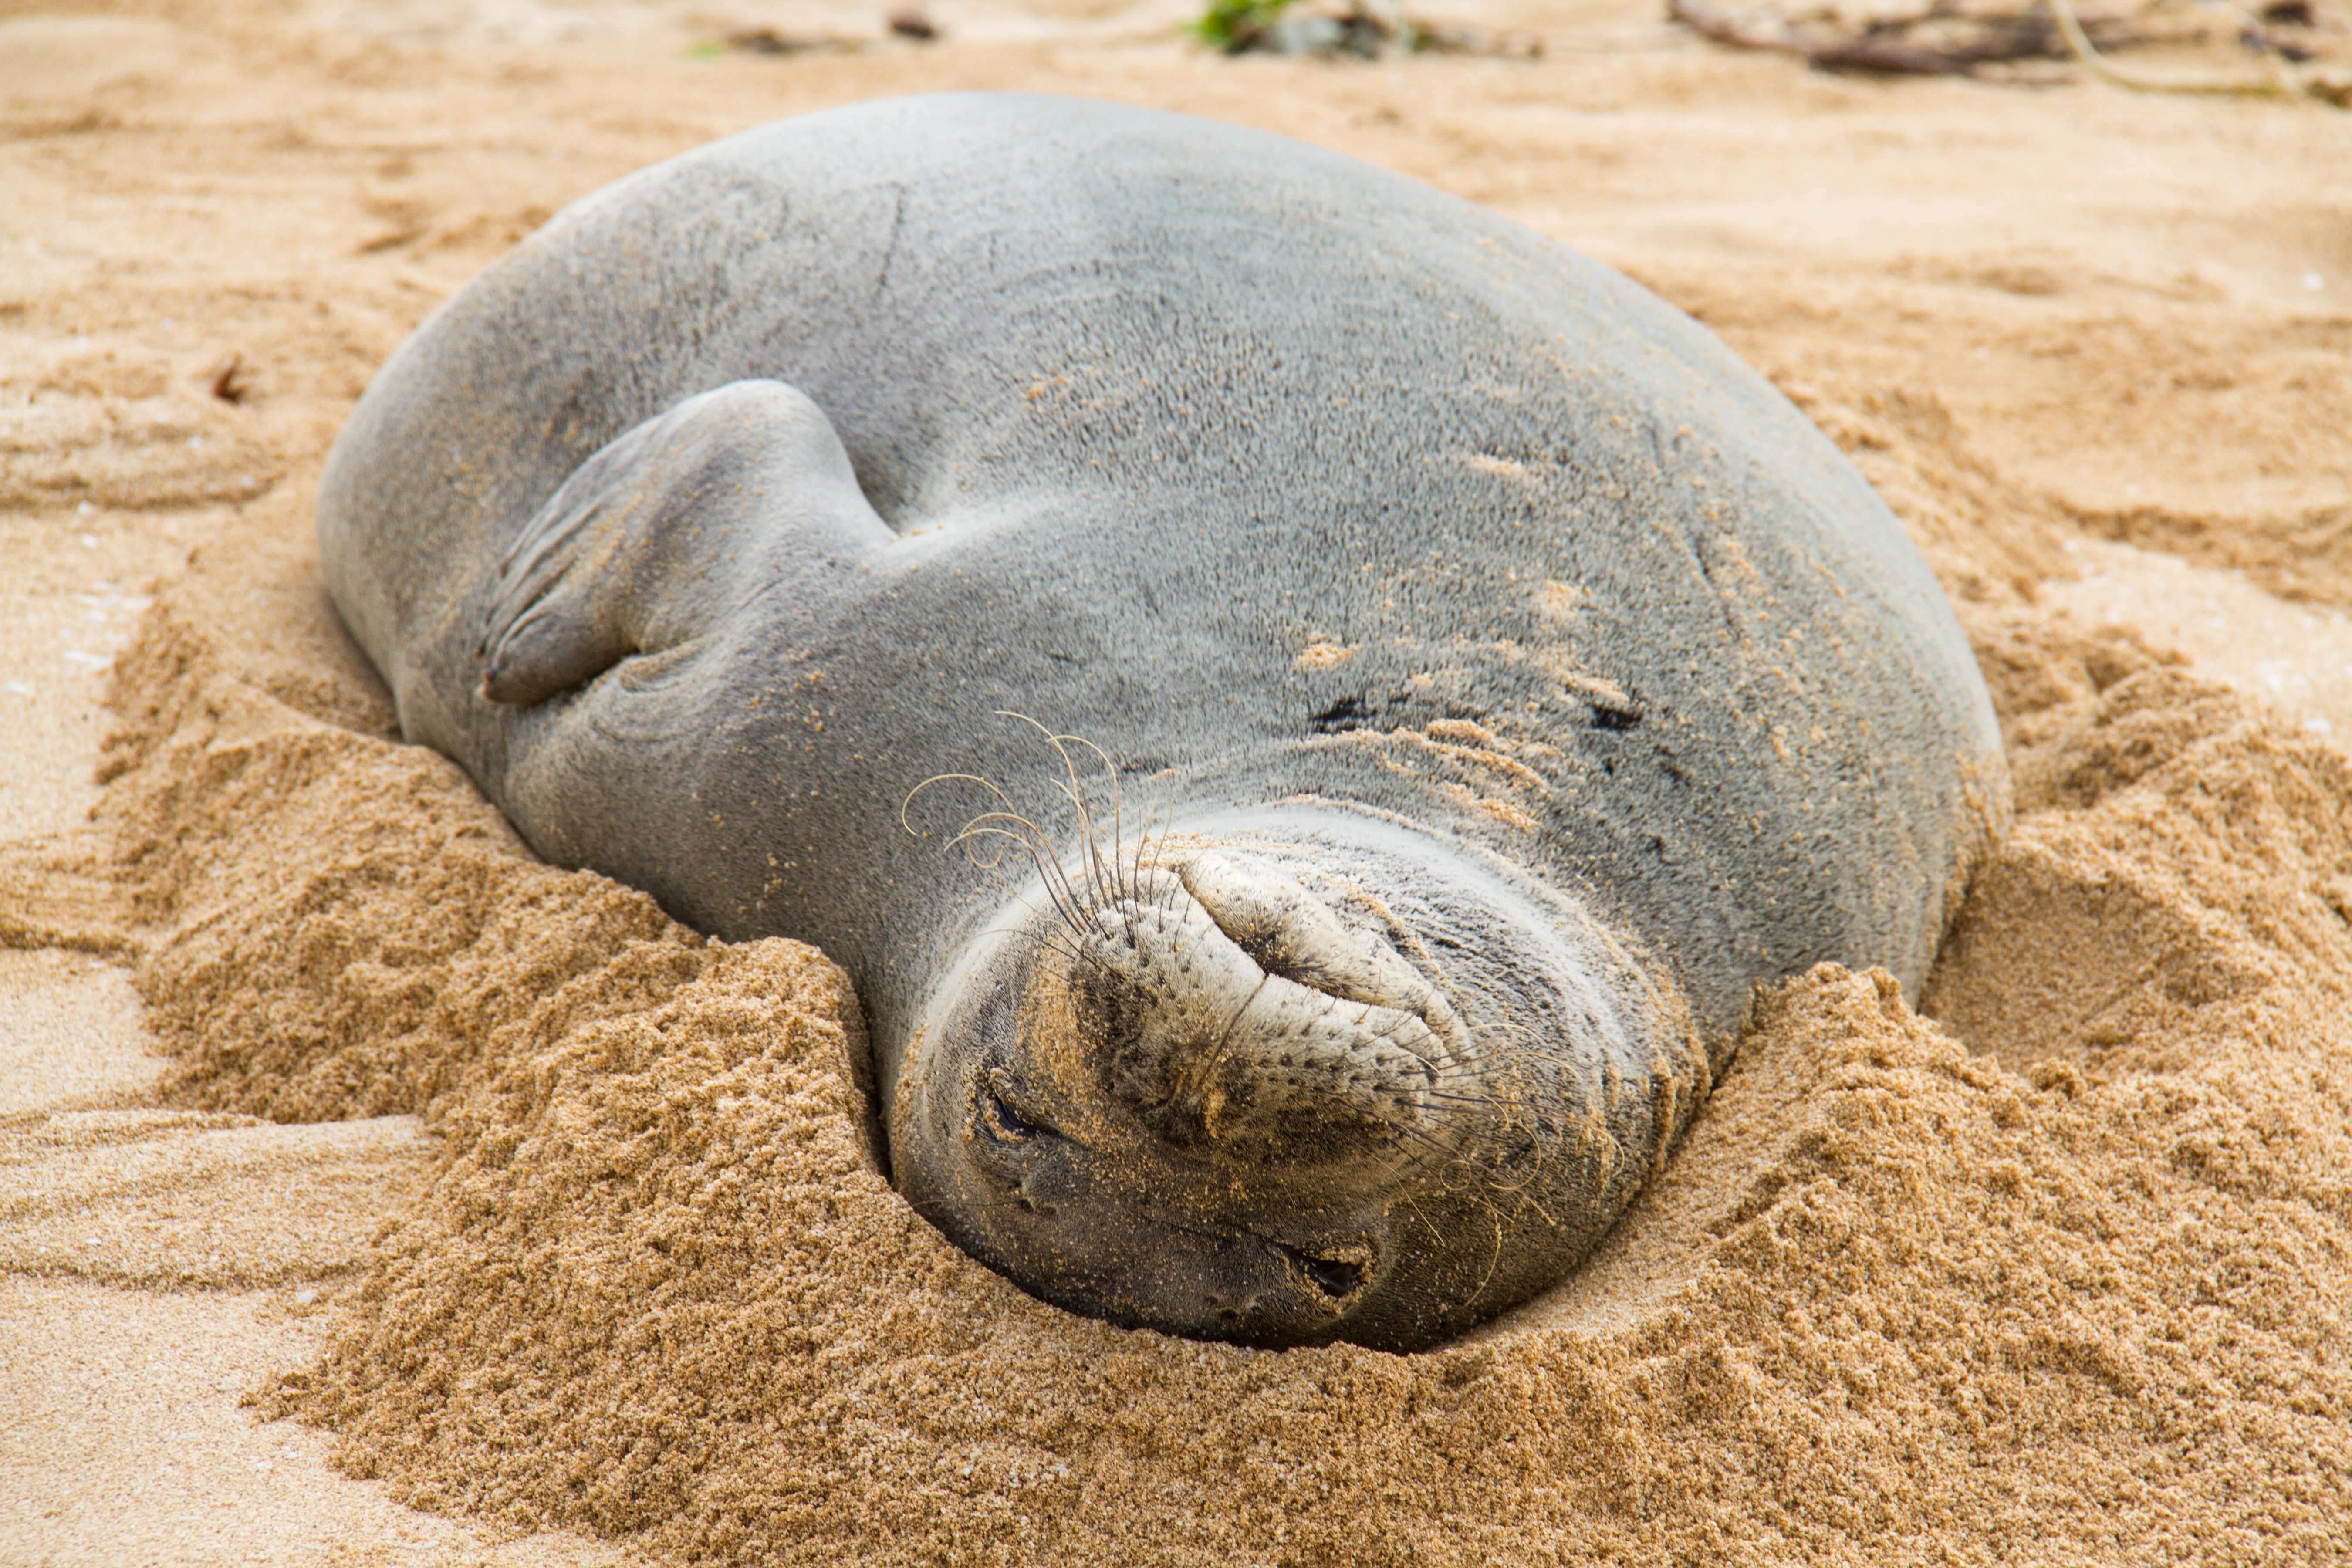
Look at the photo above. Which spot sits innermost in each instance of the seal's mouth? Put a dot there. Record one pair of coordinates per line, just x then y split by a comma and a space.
1011, 1135
1134, 1241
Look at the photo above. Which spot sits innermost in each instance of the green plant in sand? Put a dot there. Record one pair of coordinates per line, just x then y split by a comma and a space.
1233, 26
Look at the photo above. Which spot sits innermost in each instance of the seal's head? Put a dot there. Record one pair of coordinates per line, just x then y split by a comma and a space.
1288, 1089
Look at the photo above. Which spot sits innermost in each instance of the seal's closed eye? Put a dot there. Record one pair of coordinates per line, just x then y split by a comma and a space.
999, 1121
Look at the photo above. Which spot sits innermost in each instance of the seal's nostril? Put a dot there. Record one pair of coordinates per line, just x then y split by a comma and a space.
1337, 1275
1265, 949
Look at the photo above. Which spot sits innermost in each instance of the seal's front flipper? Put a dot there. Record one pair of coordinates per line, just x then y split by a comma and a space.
658, 536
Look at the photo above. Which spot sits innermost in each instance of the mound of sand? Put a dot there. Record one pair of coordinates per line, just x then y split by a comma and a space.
554, 1214
2080, 1239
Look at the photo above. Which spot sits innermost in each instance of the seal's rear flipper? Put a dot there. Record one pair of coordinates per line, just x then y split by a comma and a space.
656, 537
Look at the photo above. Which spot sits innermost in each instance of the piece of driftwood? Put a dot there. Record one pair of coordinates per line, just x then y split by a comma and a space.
907, 22
1943, 41
1947, 40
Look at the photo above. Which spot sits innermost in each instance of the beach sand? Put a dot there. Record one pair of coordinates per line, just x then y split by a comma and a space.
370, 1192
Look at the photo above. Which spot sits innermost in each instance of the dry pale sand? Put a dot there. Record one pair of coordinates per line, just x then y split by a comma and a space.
340, 1140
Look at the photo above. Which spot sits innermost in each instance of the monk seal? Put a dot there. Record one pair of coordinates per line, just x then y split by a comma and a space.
1530, 679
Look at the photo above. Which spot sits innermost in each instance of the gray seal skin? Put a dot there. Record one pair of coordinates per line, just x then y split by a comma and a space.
1524, 680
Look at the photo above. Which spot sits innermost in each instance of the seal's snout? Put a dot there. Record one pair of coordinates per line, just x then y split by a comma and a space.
1231, 1008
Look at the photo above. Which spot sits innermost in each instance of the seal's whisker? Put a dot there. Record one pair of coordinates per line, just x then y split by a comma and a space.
1090, 848
1144, 832
1427, 1224
1487, 1101
1526, 1199
1492, 1263
1066, 899
1079, 952
1422, 1135
1404, 1016
1059, 884
1158, 847
1070, 947
1090, 845
1117, 823
990, 785
1172, 886
1142, 842
1057, 906
1489, 1178
1027, 837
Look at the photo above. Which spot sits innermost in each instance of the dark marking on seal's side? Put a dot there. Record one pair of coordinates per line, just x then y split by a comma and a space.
1347, 713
